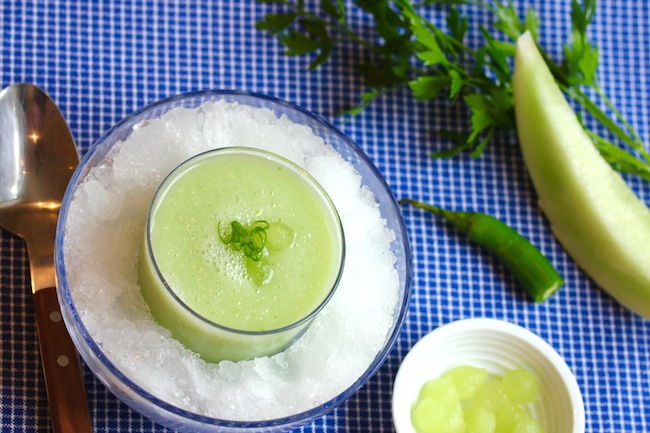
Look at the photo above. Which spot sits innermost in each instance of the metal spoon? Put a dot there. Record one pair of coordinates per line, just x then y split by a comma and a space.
37, 158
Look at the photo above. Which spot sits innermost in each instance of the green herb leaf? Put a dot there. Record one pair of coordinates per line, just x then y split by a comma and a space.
425, 88
498, 53
298, 44
458, 25
387, 21
322, 57
379, 74
432, 57
316, 29
366, 99
457, 148
481, 114
335, 10
532, 22
588, 64
478, 150
508, 21
581, 58
456, 84
275, 23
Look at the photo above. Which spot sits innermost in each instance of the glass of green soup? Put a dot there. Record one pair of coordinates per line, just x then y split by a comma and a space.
242, 248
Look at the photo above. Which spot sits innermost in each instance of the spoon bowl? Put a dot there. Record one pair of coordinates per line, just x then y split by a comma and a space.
37, 158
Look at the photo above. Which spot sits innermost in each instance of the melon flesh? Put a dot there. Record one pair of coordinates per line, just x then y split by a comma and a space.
599, 221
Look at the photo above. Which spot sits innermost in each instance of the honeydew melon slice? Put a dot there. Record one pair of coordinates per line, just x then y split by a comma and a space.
599, 221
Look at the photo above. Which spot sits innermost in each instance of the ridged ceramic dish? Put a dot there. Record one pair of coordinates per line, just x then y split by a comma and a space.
497, 346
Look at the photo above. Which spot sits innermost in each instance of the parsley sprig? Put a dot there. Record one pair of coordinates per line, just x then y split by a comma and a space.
410, 51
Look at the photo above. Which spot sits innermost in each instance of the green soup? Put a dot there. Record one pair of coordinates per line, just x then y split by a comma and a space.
206, 291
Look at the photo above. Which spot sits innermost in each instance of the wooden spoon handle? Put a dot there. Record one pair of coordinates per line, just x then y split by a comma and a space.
61, 367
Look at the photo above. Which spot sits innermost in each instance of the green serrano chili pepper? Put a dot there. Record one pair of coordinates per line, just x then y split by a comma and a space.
529, 266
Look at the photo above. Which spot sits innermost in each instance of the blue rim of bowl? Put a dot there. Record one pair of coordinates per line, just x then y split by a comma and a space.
301, 417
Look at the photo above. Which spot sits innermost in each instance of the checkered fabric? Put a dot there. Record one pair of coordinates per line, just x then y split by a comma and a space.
101, 60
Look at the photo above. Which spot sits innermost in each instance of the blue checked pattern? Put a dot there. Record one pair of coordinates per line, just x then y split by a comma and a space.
102, 60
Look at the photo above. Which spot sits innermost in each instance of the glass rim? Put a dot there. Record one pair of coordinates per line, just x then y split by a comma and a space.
271, 156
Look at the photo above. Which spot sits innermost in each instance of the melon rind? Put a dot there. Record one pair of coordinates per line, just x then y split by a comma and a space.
597, 218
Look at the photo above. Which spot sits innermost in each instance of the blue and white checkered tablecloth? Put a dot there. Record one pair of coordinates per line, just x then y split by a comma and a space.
101, 60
